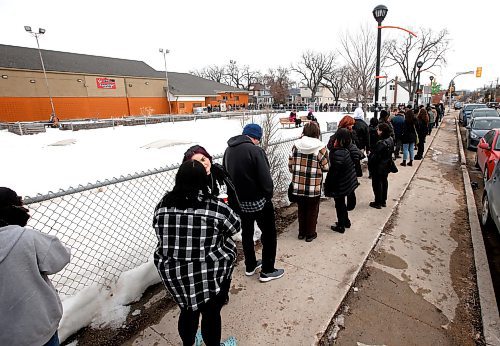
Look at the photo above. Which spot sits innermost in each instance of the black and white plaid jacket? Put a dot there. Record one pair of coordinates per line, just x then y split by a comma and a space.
195, 252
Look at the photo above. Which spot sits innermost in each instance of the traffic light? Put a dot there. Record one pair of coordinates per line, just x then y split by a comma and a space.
479, 71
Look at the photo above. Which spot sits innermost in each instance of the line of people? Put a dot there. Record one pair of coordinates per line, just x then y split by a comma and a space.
209, 203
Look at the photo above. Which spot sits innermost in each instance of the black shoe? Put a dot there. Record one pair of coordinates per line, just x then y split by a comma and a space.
375, 205
403, 163
410, 163
301, 237
347, 225
250, 272
417, 158
383, 205
276, 274
311, 238
339, 229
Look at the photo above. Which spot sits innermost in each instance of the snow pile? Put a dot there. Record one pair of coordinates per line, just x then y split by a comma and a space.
100, 307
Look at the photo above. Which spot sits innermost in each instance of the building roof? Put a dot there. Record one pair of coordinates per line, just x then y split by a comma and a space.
180, 84
185, 84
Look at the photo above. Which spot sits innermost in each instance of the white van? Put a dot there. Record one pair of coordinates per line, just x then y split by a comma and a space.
200, 110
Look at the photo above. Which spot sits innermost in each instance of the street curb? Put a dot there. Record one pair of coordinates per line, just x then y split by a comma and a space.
489, 308
377, 239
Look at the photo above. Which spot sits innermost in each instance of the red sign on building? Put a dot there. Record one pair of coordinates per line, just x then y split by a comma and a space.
105, 83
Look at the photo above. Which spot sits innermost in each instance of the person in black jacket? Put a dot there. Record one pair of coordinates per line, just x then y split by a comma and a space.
249, 169
422, 127
379, 165
220, 184
341, 180
362, 133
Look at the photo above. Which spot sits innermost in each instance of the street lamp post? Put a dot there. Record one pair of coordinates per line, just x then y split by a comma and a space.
379, 14
452, 84
164, 52
419, 65
36, 34
233, 71
432, 79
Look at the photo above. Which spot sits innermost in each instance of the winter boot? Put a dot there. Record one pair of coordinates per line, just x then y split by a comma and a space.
410, 163
403, 163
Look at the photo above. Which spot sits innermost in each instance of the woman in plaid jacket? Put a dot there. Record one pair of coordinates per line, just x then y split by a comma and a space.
308, 161
195, 254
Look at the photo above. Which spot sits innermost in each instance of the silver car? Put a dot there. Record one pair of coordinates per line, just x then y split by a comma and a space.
490, 215
478, 128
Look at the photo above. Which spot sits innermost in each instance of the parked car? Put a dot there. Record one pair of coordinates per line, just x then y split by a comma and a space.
200, 110
490, 215
484, 112
493, 104
466, 110
458, 105
488, 153
478, 128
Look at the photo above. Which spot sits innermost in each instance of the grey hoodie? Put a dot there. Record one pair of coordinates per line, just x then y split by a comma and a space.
30, 306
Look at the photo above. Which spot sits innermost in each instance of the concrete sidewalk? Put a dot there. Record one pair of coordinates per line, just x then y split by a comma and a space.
419, 286
297, 309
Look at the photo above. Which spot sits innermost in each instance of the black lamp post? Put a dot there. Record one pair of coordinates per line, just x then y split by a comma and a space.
419, 65
432, 79
379, 14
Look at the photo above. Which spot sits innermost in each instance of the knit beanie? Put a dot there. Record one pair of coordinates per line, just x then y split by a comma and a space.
196, 149
253, 130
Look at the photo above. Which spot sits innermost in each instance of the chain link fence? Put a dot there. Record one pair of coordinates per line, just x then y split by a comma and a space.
108, 225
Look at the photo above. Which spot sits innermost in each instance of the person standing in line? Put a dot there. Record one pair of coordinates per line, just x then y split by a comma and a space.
249, 169
422, 131
379, 165
220, 184
384, 119
347, 122
409, 137
308, 161
341, 180
362, 134
31, 308
398, 125
195, 254
431, 111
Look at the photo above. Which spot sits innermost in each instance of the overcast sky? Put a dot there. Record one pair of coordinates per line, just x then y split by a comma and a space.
257, 33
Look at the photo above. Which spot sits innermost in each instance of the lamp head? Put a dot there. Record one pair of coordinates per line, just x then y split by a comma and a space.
160, 50
431, 78
379, 13
420, 64
41, 31
27, 28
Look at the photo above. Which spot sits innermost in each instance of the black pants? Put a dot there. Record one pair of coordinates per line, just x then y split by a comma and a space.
380, 185
266, 222
210, 321
351, 201
308, 209
341, 208
420, 147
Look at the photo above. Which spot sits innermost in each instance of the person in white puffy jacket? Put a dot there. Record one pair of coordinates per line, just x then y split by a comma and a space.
30, 305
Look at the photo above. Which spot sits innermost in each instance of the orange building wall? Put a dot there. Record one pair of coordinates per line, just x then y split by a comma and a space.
38, 108
188, 106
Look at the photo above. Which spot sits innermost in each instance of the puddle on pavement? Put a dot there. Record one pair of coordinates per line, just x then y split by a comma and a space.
390, 260
446, 158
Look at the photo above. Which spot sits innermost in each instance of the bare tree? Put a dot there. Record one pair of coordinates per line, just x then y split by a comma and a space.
360, 52
336, 82
312, 69
234, 75
249, 76
427, 47
278, 81
212, 72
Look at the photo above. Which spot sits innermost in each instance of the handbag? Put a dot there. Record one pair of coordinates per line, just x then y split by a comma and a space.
291, 197
393, 168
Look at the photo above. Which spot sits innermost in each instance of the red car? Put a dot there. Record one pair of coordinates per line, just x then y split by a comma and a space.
488, 153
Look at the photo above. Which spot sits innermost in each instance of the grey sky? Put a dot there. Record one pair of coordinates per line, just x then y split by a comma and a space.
257, 33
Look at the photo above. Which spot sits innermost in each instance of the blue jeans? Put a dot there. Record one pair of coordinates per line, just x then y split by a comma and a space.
408, 147
54, 341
